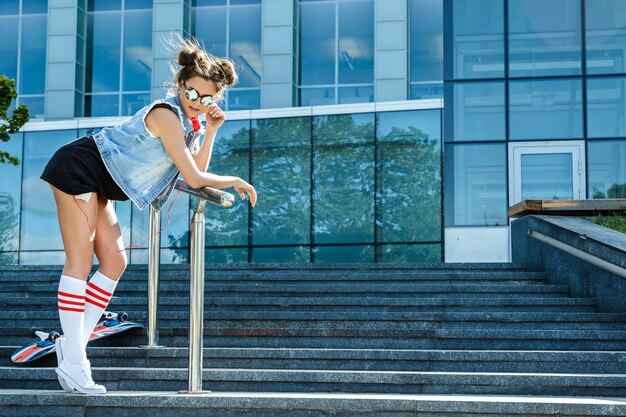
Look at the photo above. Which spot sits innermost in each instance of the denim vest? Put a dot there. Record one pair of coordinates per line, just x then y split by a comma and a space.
138, 161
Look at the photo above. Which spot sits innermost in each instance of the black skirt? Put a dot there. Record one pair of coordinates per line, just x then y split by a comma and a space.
77, 168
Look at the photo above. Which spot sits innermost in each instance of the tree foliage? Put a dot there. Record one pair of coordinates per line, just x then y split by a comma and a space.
15, 122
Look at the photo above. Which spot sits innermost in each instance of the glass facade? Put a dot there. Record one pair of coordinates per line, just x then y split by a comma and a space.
336, 52
119, 57
426, 49
232, 28
23, 30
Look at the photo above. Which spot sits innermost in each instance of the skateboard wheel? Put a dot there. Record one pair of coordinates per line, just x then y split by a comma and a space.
53, 336
122, 317
33, 332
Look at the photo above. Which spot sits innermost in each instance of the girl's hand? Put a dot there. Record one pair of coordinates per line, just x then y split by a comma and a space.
243, 187
214, 118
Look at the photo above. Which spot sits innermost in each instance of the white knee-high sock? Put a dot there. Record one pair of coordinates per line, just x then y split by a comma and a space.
71, 303
100, 289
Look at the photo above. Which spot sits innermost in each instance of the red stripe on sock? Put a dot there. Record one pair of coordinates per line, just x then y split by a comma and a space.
90, 301
97, 297
71, 302
71, 309
66, 294
95, 287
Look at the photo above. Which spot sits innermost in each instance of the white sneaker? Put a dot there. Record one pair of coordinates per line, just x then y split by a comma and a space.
59, 350
79, 378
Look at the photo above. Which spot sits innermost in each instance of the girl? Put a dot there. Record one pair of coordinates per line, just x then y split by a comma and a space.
138, 160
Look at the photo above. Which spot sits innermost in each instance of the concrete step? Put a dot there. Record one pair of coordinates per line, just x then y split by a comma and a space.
283, 380
20, 403
350, 359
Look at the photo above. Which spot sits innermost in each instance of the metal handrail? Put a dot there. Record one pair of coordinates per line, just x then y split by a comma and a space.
196, 296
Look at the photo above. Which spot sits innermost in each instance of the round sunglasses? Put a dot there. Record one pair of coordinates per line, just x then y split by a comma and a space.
193, 95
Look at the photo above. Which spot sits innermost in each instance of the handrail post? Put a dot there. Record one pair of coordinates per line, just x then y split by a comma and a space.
196, 300
154, 263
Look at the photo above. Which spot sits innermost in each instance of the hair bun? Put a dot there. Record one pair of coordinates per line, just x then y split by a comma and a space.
186, 57
228, 68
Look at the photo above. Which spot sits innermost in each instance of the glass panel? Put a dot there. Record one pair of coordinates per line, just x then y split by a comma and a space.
10, 198
123, 210
231, 153
42, 258
607, 169
35, 106
478, 111
343, 254
539, 43
356, 42
343, 161
244, 99
426, 40
99, 5
176, 235
102, 105
137, 50
40, 225
409, 176
198, 3
33, 6
606, 107
317, 96
140, 228
356, 95
427, 90
411, 253
33, 54
547, 176
478, 42
137, 4
213, 35
9, 7
138, 256
281, 174
9, 258
245, 43
475, 185
103, 55
297, 254
175, 256
8, 46
605, 21
545, 109
226, 255
236, 2
132, 103
317, 43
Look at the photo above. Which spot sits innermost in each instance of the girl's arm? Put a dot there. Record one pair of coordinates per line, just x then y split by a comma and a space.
203, 156
164, 124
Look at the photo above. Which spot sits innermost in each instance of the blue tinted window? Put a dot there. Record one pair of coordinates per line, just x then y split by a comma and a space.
102, 105
409, 176
317, 43
245, 43
132, 103
244, 99
40, 226
426, 40
545, 109
226, 255
606, 107
475, 185
607, 169
478, 40
34, 6
356, 42
137, 4
317, 96
411, 253
605, 21
339, 254
295, 254
10, 199
477, 111
281, 172
8, 7
100, 5
104, 40
33, 54
356, 95
137, 50
544, 37
35, 106
343, 142
199, 3
426, 91
8, 46
213, 35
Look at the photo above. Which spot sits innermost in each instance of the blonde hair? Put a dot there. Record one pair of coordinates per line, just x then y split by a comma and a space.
193, 60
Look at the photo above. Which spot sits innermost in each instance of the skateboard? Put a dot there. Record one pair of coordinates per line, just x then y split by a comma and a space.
113, 323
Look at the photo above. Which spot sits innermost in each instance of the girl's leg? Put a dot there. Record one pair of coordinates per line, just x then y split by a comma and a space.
112, 261
79, 249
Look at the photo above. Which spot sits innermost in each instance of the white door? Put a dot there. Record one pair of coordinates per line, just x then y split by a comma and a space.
546, 171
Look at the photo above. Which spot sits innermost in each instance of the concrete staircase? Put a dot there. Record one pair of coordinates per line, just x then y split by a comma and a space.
333, 339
